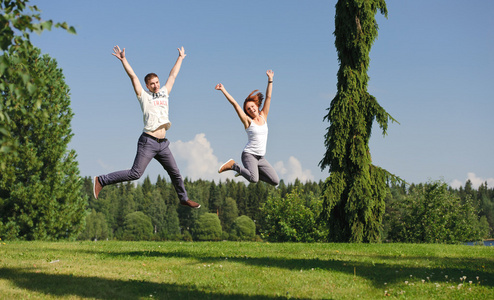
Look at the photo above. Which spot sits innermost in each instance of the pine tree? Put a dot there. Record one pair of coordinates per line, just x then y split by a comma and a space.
167, 193
40, 187
355, 190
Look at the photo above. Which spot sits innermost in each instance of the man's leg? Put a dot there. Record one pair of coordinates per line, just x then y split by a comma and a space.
146, 149
166, 159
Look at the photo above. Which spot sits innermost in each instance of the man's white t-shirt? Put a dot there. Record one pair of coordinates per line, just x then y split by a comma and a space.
154, 109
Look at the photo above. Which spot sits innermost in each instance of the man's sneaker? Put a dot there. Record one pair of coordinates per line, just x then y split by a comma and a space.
190, 203
96, 187
227, 166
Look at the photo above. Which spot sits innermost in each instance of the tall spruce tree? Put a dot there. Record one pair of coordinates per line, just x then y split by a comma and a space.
40, 187
354, 192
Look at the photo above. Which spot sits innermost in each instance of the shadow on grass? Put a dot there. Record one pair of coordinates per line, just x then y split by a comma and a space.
102, 288
395, 269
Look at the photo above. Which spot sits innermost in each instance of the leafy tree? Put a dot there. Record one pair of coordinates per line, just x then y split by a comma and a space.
207, 228
156, 210
243, 228
137, 227
257, 194
433, 214
96, 227
228, 212
289, 219
355, 190
395, 208
486, 200
16, 25
40, 187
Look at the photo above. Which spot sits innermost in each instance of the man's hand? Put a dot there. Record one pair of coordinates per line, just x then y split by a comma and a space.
120, 54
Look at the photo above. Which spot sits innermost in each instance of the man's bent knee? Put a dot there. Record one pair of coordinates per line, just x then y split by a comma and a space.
134, 175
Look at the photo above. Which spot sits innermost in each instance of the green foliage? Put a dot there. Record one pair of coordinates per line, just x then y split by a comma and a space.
40, 187
116, 201
228, 212
433, 214
291, 218
207, 228
395, 207
355, 190
171, 226
243, 229
137, 227
96, 227
16, 24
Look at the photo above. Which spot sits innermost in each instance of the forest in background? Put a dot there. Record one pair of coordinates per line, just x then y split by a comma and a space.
431, 212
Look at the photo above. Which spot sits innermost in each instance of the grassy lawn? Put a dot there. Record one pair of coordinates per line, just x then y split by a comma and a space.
231, 270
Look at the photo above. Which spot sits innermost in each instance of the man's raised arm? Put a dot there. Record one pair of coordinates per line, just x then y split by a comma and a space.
176, 68
120, 54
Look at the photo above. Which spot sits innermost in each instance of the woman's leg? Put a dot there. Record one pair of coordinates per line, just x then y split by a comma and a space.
249, 171
267, 172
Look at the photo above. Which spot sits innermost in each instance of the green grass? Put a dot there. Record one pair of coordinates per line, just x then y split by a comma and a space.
231, 270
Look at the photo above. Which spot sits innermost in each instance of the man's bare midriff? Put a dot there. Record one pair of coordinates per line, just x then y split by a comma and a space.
159, 133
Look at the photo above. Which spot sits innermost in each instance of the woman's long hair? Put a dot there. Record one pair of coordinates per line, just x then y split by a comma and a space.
256, 98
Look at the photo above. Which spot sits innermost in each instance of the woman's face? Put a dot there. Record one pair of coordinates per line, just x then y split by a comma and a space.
252, 109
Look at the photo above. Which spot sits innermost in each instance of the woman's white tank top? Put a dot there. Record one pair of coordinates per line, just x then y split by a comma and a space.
257, 138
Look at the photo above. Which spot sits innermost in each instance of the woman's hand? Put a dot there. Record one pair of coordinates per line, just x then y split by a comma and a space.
270, 74
181, 52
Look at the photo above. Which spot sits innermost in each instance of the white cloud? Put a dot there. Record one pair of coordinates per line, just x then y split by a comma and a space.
456, 184
105, 166
292, 170
476, 181
200, 163
199, 159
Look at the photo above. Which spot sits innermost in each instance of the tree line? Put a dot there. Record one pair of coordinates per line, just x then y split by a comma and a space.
431, 212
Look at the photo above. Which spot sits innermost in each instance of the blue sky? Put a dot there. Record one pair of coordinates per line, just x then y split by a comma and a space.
431, 69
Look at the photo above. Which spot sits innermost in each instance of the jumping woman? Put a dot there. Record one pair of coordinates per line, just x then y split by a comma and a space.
255, 166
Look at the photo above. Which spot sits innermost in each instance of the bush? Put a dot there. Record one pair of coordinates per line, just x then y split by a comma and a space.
291, 219
243, 228
207, 228
137, 227
96, 227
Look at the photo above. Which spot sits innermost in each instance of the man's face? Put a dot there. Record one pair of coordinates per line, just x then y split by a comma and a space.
153, 85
